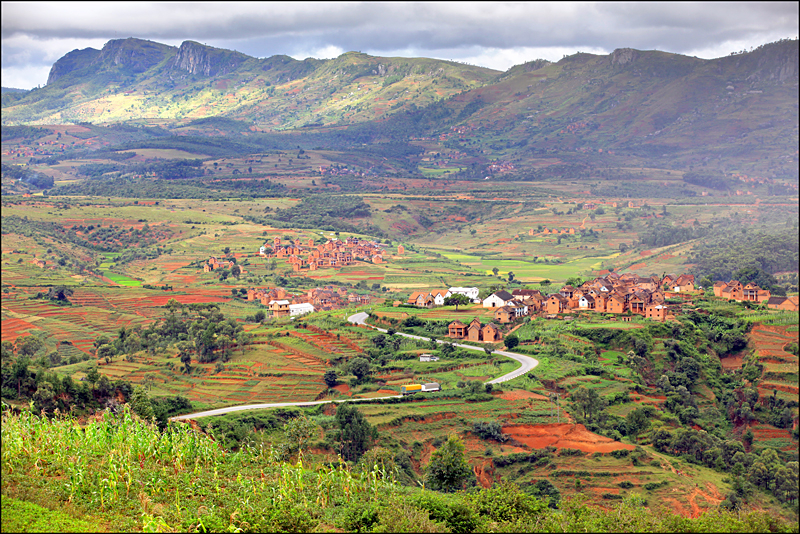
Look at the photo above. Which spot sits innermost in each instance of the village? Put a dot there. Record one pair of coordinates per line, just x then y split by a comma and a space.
335, 253
625, 295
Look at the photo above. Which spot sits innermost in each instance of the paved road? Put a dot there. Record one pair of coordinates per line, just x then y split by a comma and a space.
229, 409
527, 363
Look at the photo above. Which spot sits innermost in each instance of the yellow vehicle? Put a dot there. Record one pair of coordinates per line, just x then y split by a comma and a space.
410, 389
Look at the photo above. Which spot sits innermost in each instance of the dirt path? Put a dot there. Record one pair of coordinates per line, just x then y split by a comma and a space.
713, 499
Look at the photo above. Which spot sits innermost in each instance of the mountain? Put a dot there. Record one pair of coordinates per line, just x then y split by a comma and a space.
732, 114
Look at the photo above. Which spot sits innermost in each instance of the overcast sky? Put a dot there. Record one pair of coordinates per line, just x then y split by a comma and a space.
494, 35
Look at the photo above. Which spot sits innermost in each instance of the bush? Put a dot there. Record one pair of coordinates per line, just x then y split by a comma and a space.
402, 517
506, 502
625, 484
452, 511
489, 430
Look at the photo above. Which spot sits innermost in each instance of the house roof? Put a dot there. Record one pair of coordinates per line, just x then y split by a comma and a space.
774, 301
503, 294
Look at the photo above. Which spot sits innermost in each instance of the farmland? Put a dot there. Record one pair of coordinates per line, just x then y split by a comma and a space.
109, 298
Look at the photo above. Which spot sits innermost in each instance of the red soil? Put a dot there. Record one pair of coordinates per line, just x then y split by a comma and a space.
563, 436
637, 266
387, 392
520, 395
343, 388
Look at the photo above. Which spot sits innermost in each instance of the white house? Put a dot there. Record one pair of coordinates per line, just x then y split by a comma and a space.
263, 250
300, 309
470, 292
520, 309
498, 300
428, 358
586, 302
439, 296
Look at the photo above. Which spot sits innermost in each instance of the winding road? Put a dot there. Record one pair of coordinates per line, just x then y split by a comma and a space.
527, 365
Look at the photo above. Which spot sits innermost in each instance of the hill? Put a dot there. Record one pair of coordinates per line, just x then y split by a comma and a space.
643, 108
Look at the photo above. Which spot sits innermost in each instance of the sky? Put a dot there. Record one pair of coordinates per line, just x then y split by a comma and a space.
489, 34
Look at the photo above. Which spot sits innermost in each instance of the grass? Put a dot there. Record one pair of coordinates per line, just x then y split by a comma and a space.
23, 516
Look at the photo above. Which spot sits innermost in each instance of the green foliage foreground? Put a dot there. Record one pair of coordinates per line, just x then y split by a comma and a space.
125, 472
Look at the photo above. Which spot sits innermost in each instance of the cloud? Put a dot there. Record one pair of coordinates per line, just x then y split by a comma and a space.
489, 34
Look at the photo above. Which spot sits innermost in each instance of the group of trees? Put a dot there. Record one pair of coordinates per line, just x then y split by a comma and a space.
765, 471
196, 330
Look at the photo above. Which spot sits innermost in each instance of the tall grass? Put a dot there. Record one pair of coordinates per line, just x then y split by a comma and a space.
175, 479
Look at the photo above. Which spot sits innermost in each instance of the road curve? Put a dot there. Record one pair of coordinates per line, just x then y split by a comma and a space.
527, 363
229, 409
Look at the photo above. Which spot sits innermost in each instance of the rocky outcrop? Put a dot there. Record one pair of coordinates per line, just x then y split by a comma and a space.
135, 55
72, 61
623, 56
196, 58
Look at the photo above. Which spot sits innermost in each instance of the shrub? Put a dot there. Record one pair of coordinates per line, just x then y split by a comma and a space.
625, 484
452, 511
506, 502
402, 517
489, 430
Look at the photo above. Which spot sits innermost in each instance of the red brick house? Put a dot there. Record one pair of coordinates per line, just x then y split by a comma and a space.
656, 312
474, 332
491, 333
616, 303
556, 303
457, 330
783, 303
504, 315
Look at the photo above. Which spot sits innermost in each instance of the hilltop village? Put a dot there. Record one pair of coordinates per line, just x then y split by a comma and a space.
627, 294
334, 253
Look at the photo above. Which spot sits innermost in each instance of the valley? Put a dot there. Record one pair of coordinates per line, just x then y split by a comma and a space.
163, 213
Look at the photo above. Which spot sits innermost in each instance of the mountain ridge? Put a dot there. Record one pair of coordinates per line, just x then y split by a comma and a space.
648, 103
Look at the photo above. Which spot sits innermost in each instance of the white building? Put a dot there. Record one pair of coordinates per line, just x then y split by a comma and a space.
498, 300
300, 309
439, 296
470, 292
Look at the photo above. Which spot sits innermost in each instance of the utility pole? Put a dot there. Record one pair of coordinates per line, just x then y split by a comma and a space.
558, 410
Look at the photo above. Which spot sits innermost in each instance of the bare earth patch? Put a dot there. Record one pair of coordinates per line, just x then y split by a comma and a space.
563, 436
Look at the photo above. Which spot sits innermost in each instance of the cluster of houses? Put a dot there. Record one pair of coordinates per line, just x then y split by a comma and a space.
429, 299
334, 253
736, 291
283, 304
474, 331
215, 263
612, 293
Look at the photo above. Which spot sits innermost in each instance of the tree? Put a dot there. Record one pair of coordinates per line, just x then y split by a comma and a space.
448, 470
298, 431
106, 352
93, 375
588, 402
511, 341
510, 276
59, 293
330, 378
495, 270
19, 370
360, 367
637, 421
29, 345
140, 403
185, 352
236, 271
456, 300
356, 434
545, 284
